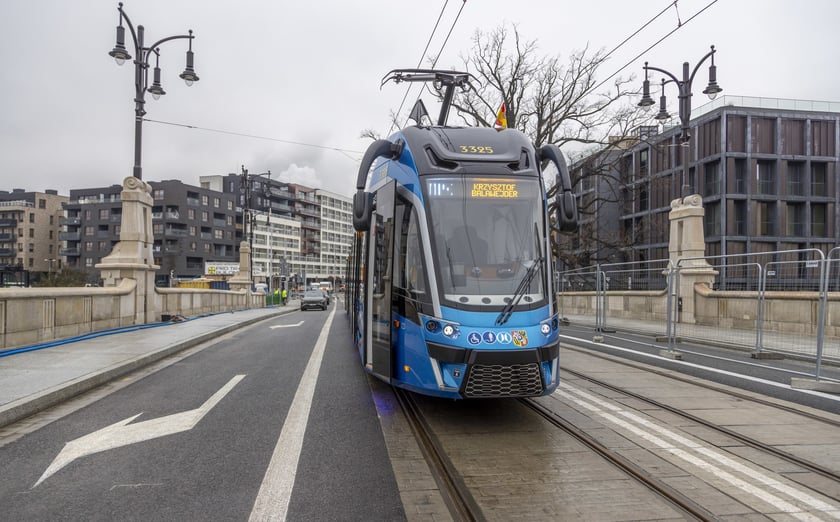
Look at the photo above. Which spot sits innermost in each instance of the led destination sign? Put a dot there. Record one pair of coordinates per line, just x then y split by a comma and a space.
494, 190
475, 188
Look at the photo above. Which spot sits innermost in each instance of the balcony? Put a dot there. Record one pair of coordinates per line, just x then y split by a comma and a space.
7, 252
71, 221
70, 236
177, 232
7, 223
69, 252
6, 237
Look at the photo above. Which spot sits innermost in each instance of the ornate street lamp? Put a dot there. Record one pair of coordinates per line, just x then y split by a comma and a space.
141, 74
684, 86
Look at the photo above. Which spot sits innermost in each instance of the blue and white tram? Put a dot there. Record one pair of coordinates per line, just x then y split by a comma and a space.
450, 273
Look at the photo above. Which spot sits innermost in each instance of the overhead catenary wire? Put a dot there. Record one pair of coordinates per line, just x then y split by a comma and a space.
679, 26
346, 152
420, 61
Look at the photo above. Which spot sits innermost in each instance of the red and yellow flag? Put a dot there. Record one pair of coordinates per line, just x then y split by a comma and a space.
501, 117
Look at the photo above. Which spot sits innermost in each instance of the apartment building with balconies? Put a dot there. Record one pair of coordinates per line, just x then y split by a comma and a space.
30, 231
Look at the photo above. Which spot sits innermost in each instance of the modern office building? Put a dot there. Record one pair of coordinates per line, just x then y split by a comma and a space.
767, 170
29, 231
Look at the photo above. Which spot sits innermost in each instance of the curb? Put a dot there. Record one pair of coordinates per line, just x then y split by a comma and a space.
21, 408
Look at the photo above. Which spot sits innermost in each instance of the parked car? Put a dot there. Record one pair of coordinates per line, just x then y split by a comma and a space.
313, 299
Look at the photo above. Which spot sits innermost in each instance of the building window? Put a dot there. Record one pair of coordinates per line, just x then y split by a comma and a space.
31, 232
204, 215
218, 233
819, 220
740, 176
216, 202
88, 246
31, 218
103, 245
52, 220
42, 203
104, 213
207, 247
230, 205
192, 246
51, 234
192, 230
31, 247
205, 199
795, 219
711, 179
818, 179
158, 194
766, 177
157, 229
795, 181
87, 215
191, 213
765, 218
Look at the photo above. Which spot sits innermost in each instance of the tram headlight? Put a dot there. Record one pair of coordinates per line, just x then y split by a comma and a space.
432, 326
449, 330
545, 328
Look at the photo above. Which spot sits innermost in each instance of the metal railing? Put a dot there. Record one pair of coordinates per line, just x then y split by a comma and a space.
750, 296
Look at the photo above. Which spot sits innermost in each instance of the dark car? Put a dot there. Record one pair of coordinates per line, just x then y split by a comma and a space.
326, 295
313, 299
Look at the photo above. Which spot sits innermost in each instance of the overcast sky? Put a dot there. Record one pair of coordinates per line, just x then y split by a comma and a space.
289, 86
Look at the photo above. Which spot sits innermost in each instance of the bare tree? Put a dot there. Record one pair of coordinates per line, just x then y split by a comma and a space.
557, 101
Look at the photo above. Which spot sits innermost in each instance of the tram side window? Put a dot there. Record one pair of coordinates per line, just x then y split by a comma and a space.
410, 265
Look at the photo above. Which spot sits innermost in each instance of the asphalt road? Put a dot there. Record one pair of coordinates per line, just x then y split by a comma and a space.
194, 441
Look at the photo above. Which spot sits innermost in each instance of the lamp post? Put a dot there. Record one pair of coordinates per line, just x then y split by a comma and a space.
684, 86
142, 54
248, 217
50, 270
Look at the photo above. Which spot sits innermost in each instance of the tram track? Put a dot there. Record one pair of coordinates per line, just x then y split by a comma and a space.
462, 506
671, 495
750, 441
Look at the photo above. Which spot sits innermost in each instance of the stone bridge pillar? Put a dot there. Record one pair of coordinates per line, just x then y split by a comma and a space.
242, 279
132, 257
687, 250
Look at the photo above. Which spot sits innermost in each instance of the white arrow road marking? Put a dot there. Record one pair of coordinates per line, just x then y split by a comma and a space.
286, 325
122, 433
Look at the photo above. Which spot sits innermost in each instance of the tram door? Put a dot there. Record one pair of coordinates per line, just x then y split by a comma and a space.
379, 357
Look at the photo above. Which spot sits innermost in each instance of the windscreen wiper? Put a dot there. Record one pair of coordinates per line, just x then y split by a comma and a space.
507, 311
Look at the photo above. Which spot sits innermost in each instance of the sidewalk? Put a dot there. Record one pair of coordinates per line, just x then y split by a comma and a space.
36, 380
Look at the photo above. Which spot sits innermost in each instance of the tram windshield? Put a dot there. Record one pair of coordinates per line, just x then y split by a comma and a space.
486, 233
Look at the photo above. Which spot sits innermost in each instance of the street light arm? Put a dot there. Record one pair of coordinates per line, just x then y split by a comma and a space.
697, 67
162, 40
125, 17
663, 71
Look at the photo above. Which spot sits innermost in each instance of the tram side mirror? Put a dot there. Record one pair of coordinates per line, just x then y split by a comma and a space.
566, 208
362, 210
566, 214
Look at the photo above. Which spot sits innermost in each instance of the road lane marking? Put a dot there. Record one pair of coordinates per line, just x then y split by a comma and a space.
681, 447
272, 502
286, 325
122, 433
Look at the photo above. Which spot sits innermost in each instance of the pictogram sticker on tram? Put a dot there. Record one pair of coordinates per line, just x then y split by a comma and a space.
489, 337
474, 338
503, 338
520, 338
